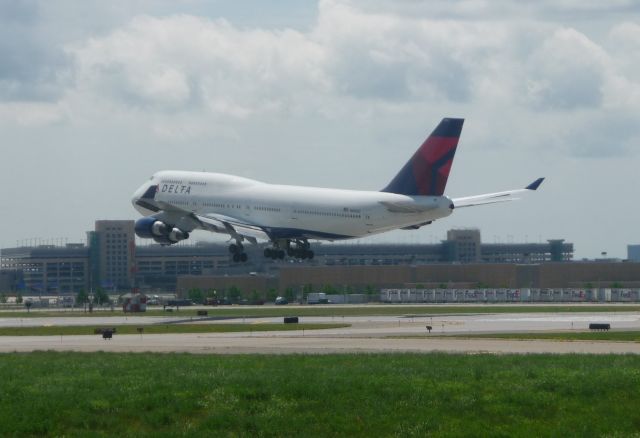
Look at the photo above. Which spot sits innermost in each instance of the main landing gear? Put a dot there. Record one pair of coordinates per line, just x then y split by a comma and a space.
238, 252
274, 253
302, 250
299, 249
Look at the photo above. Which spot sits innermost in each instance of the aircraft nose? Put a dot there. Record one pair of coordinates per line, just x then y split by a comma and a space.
138, 193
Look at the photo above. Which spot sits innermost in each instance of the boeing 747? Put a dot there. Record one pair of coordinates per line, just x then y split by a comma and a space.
174, 203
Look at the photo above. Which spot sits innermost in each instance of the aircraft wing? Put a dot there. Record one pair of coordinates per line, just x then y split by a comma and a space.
492, 198
213, 222
234, 227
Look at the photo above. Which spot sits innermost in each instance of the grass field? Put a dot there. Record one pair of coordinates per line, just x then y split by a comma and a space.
162, 329
105, 394
337, 310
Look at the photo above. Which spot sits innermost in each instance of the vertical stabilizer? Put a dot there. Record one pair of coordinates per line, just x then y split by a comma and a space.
426, 173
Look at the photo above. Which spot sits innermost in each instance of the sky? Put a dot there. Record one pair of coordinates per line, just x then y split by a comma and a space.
96, 96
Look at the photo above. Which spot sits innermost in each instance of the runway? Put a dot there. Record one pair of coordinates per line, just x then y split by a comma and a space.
373, 325
367, 334
287, 343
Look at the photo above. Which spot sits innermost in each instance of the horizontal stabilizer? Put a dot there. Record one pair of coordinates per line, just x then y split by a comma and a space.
492, 198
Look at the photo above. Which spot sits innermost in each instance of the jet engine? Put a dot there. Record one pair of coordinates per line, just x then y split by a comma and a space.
163, 240
159, 229
152, 228
176, 235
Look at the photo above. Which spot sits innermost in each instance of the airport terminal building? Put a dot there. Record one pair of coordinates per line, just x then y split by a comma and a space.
297, 280
111, 260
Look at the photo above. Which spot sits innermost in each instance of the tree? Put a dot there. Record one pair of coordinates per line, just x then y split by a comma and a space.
369, 290
255, 297
101, 297
82, 297
234, 294
272, 294
290, 294
19, 299
3, 298
329, 289
196, 295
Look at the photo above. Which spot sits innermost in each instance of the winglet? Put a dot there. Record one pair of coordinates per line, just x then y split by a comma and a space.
534, 185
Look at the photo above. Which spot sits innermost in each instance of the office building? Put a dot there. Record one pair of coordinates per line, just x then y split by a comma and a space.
112, 261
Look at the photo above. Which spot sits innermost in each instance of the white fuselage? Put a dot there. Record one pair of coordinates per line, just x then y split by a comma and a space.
289, 211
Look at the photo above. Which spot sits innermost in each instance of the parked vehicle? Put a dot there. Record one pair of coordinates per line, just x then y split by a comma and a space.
317, 298
67, 301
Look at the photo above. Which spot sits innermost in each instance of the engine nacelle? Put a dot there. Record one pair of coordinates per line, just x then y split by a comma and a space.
164, 240
165, 234
150, 227
159, 229
176, 235
143, 227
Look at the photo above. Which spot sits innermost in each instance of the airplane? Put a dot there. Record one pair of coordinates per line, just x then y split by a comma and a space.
174, 203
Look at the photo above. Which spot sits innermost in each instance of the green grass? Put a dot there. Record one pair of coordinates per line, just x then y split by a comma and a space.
103, 394
337, 310
161, 329
626, 336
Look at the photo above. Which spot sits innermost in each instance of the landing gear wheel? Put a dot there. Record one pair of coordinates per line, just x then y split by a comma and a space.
274, 253
236, 258
310, 254
243, 257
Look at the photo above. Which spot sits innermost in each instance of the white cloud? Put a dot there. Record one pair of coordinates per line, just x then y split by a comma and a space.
566, 71
32, 114
181, 61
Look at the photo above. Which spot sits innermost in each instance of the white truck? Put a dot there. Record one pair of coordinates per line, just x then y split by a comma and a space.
317, 298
